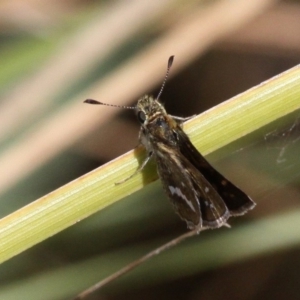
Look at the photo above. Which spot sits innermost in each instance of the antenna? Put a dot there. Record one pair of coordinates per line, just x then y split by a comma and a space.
92, 101
170, 62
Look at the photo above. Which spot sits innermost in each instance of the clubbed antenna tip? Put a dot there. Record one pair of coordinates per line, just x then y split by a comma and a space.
92, 101
170, 62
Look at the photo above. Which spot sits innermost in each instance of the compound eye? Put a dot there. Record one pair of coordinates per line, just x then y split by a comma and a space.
141, 117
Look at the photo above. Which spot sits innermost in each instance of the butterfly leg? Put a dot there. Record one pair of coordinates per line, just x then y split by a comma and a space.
138, 170
181, 119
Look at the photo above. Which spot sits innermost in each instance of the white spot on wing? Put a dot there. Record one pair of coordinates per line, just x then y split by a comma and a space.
177, 191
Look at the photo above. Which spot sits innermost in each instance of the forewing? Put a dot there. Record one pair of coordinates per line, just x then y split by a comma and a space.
235, 199
193, 197
179, 188
213, 209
